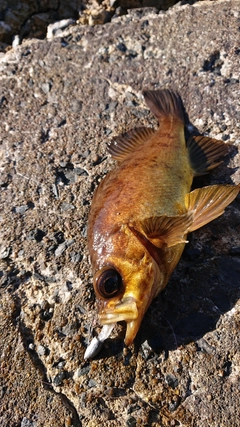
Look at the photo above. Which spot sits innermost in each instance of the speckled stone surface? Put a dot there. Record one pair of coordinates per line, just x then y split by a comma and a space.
61, 101
24, 19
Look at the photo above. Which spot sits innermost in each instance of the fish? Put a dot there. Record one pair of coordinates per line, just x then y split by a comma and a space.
143, 210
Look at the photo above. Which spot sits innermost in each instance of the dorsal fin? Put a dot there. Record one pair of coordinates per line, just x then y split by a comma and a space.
205, 153
164, 102
122, 146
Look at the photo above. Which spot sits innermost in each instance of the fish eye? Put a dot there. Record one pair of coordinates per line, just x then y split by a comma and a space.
109, 283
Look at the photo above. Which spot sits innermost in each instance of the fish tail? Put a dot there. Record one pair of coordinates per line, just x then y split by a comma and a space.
165, 103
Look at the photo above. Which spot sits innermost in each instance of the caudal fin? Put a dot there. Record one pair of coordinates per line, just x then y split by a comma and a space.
164, 102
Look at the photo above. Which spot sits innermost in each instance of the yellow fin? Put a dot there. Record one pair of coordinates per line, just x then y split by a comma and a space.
208, 203
205, 153
167, 230
164, 102
122, 146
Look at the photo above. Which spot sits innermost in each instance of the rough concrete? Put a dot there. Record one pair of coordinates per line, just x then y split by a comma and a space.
29, 18
24, 19
61, 102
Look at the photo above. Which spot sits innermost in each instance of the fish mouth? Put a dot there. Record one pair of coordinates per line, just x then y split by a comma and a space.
126, 310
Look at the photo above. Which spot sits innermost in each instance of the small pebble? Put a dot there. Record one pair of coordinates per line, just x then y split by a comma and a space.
61, 364
80, 171
131, 422
67, 207
21, 209
60, 249
205, 347
171, 381
46, 87
75, 257
41, 350
92, 383
58, 379
4, 252
54, 29
84, 231
83, 371
27, 423
16, 41
55, 191
63, 164
76, 106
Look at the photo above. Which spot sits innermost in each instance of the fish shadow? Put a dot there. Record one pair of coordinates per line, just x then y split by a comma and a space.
206, 282
204, 286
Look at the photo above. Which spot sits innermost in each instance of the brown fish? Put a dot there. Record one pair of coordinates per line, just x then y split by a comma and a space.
143, 210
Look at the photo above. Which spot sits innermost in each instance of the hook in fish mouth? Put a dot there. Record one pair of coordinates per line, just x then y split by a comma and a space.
124, 310
97, 342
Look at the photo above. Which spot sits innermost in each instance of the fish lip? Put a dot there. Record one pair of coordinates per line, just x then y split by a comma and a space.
126, 310
131, 331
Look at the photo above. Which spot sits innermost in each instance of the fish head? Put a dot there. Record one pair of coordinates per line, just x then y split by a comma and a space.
126, 279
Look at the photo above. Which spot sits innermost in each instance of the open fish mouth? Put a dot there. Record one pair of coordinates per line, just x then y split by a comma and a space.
126, 310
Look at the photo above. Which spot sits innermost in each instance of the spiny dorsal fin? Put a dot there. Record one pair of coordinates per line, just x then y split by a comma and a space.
122, 146
205, 153
208, 203
167, 230
164, 102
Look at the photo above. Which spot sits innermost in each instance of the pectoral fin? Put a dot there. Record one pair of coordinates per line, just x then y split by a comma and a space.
208, 203
203, 205
205, 153
157, 232
123, 146
167, 230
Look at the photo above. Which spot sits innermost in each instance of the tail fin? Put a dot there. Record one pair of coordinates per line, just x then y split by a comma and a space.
204, 153
164, 102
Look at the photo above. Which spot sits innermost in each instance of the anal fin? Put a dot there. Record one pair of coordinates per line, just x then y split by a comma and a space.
208, 203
